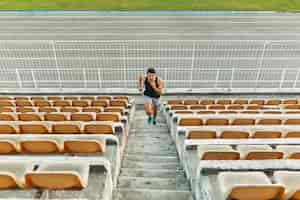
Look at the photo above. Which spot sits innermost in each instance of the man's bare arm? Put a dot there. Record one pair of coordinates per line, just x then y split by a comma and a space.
140, 84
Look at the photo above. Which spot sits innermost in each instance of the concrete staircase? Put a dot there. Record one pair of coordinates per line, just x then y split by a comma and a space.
150, 168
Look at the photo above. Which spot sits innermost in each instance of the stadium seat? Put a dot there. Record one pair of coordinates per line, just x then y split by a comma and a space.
216, 107
240, 101
178, 107
207, 102
66, 128
235, 107
42, 103
80, 103
243, 121
6, 98
119, 103
199, 134
268, 121
12, 174
121, 97
33, 128
54, 98
8, 146
257, 101
250, 112
69, 109
61, 103
248, 186
90, 98
183, 112
47, 109
104, 98
190, 102
292, 121
258, 107
115, 109
40, 145
100, 103
290, 101
71, 98
217, 152
267, 134
190, 121
175, 102
90, 145
273, 102
290, 107
290, 151
23, 103
290, 180
292, 134
198, 107
6, 109
85, 117
223, 101
98, 128
7, 104
217, 122
272, 112
59, 176
25, 109
206, 112
228, 112
7, 117
19, 98
114, 117
38, 98
258, 152
232, 134
55, 117
8, 128
29, 117
93, 109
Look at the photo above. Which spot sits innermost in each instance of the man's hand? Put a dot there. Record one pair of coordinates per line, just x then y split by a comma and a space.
153, 84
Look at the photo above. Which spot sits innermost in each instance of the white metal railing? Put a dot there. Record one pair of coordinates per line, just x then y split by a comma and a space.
185, 65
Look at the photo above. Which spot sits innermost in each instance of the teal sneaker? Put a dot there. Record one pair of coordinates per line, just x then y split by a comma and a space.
149, 120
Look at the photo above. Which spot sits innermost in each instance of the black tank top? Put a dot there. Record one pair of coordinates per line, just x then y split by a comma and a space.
149, 91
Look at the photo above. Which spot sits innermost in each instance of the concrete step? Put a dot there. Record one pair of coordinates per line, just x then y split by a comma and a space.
149, 147
148, 158
151, 165
153, 183
146, 194
152, 152
162, 173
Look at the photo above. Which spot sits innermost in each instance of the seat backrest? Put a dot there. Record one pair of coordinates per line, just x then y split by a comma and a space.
257, 101
6, 98
119, 102
69, 109
8, 128
191, 102
47, 109
235, 107
85, 117
7, 117
29, 117
233, 134
190, 121
104, 98
115, 117
243, 121
19, 98
292, 122
216, 107
65, 128
224, 101
38, 98
100, 103
98, 129
90, 98
54, 98
33, 128
267, 121
174, 102
207, 101
178, 107
80, 103
267, 134
116, 109
41, 103
273, 102
206, 112
55, 117
6, 109
71, 98
217, 121
91, 109
198, 107
199, 134
240, 101
290, 101
7, 104
23, 103
121, 98
24, 109
61, 103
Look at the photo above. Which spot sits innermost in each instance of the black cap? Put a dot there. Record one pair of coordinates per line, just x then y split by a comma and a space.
151, 70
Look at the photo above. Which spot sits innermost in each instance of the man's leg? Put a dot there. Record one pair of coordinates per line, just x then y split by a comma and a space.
148, 109
155, 104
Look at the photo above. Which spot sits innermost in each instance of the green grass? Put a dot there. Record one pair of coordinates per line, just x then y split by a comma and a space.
278, 5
